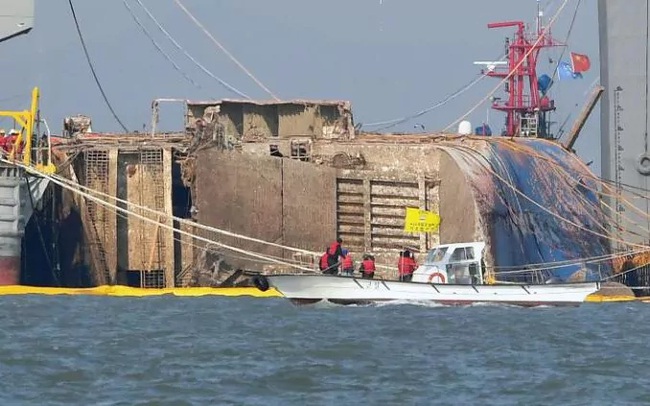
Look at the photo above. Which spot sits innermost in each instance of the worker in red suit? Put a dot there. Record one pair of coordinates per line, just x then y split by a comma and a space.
347, 264
406, 265
334, 257
367, 267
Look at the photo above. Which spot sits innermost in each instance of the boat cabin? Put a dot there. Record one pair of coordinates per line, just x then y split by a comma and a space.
460, 264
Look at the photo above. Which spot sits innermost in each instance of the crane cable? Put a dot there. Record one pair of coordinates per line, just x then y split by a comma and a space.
455, 150
158, 47
568, 178
590, 176
104, 203
514, 69
77, 188
568, 35
92, 68
225, 51
392, 123
594, 178
189, 56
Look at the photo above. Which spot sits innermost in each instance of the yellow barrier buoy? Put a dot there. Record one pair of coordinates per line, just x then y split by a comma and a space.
127, 291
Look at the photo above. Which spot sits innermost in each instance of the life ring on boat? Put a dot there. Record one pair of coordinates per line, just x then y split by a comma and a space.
261, 283
437, 275
643, 164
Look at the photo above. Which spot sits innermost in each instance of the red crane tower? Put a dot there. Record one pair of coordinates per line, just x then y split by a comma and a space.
527, 108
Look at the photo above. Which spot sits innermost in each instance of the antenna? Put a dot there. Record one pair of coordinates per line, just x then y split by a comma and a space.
540, 16
491, 65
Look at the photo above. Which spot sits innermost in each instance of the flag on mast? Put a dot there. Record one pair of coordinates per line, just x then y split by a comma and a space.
580, 63
564, 71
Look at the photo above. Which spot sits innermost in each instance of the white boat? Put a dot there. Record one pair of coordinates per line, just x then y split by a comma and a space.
450, 276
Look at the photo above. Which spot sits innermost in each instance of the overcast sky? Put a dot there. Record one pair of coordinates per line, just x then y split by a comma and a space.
390, 58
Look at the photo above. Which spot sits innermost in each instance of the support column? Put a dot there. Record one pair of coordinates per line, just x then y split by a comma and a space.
367, 214
111, 221
168, 233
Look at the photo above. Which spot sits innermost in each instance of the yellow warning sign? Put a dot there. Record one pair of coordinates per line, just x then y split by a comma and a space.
420, 221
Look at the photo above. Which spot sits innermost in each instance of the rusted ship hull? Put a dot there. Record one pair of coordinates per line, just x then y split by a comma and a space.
10, 270
19, 196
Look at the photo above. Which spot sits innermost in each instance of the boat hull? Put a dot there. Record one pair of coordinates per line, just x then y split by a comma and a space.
305, 289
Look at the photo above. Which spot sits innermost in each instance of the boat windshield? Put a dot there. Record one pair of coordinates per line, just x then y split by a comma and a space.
436, 255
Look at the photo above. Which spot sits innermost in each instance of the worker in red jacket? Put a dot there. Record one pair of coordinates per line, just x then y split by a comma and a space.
322, 264
406, 265
334, 256
367, 267
347, 264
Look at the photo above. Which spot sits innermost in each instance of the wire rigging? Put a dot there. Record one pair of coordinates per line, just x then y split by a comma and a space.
224, 50
190, 57
157, 46
392, 123
568, 35
122, 211
512, 72
92, 68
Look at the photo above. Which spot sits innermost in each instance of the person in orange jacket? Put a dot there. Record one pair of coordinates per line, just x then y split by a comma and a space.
367, 267
322, 264
347, 264
406, 265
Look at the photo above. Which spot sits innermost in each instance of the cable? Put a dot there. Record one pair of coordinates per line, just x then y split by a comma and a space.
453, 151
92, 68
270, 259
190, 57
146, 219
77, 188
568, 35
232, 58
392, 123
570, 181
155, 44
397, 121
512, 72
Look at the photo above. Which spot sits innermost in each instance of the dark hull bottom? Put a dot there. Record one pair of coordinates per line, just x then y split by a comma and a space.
344, 302
9, 271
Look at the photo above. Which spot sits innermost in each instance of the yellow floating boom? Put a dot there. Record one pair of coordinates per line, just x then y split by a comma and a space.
127, 291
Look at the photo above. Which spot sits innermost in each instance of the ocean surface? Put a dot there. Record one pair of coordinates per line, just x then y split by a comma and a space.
247, 351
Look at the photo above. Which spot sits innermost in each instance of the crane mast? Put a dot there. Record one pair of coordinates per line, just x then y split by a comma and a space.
527, 106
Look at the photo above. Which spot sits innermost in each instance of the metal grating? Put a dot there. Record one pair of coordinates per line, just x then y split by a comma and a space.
152, 194
350, 213
96, 178
387, 204
152, 279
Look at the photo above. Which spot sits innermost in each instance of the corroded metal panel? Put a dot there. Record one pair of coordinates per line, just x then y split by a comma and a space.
371, 210
187, 260
20, 195
351, 213
309, 205
388, 201
299, 120
259, 122
242, 194
232, 119
458, 210
167, 234
144, 178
